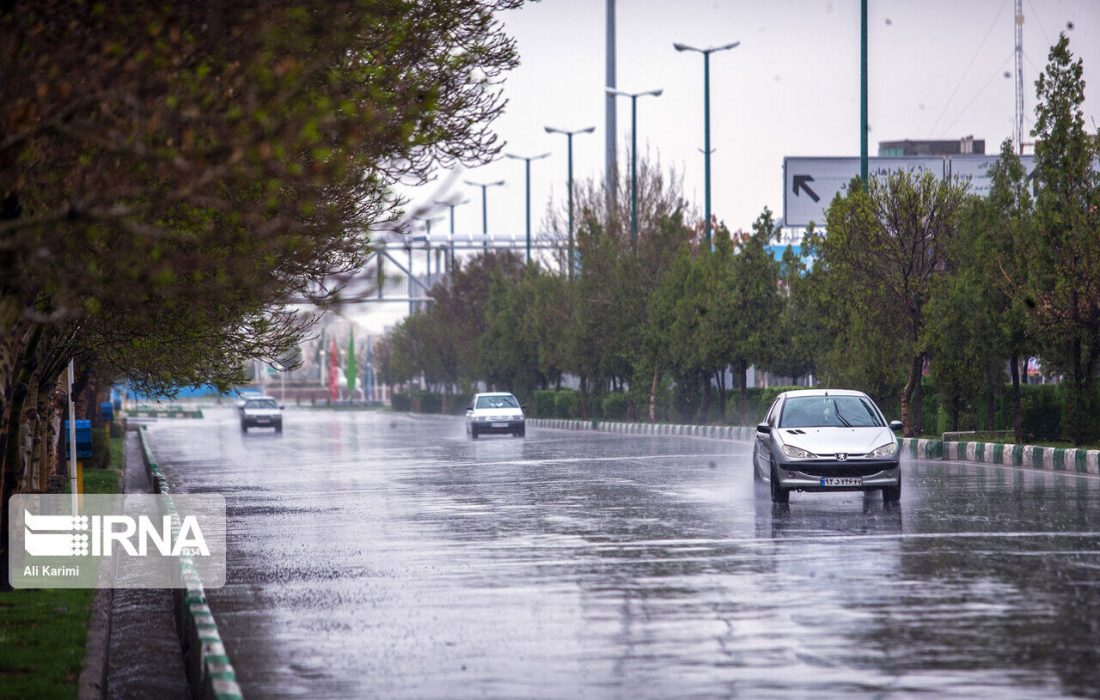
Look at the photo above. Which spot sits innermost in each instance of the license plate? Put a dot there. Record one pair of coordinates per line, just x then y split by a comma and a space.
843, 481
263, 420
500, 425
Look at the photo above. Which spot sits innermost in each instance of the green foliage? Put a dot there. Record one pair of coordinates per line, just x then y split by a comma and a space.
567, 404
426, 402
401, 402
1043, 406
615, 406
543, 403
1062, 284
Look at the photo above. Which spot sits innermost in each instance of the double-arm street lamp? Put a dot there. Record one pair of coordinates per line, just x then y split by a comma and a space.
569, 138
451, 204
527, 167
633, 154
706, 118
484, 206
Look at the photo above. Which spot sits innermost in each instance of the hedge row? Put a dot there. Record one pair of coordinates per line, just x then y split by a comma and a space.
1043, 408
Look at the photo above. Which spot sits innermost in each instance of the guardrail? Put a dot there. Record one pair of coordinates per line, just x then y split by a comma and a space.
163, 412
209, 671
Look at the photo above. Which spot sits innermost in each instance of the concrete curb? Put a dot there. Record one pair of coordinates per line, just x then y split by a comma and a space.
715, 432
209, 670
1056, 459
92, 683
1028, 456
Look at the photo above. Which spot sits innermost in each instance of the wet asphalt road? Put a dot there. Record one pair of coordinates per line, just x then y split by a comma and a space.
382, 555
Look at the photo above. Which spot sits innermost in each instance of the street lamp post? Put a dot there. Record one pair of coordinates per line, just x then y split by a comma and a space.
569, 139
706, 119
527, 168
484, 206
451, 204
633, 154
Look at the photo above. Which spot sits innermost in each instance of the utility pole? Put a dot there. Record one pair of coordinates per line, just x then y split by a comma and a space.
611, 132
863, 91
706, 123
633, 155
1019, 22
485, 207
527, 168
569, 183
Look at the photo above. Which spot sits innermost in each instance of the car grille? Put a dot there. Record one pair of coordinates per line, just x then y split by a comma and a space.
840, 469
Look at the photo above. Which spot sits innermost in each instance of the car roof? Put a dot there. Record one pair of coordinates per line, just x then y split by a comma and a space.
258, 397
495, 393
822, 392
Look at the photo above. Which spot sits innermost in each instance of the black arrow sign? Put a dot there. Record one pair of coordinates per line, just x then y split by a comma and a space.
800, 182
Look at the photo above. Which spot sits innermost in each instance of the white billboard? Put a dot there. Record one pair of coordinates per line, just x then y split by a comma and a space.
810, 183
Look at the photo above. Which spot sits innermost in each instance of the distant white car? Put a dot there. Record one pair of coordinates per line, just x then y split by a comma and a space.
261, 412
498, 413
244, 396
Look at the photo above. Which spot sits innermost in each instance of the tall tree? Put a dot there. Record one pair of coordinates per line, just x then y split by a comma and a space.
1063, 272
888, 242
172, 175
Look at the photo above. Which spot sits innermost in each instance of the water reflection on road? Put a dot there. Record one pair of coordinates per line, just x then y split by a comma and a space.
385, 555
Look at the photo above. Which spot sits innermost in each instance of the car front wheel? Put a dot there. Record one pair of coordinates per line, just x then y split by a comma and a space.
473, 433
891, 494
779, 494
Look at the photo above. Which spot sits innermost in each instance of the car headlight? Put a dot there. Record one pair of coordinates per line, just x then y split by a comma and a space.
797, 452
887, 450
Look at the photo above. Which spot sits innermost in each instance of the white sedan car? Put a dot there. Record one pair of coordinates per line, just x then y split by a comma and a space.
494, 413
827, 440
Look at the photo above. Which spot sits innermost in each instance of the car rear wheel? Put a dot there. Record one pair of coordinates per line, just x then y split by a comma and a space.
891, 494
755, 469
779, 494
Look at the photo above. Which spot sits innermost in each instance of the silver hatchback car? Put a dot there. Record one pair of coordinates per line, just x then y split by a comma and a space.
827, 440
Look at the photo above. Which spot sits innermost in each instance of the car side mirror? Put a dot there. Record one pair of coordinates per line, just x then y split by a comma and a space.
896, 425
763, 428
469, 408
281, 407
523, 407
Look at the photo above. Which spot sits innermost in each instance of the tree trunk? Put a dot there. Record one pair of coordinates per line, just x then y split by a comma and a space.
584, 398
704, 410
991, 403
743, 378
918, 400
915, 366
720, 376
1017, 412
653, 395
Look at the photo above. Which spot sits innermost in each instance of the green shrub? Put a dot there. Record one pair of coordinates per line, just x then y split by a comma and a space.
1042, 406
615, 405
428, 402
567, 404
401, 402
101, 450
543, 403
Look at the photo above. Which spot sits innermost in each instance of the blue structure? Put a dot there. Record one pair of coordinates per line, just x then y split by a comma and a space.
83, 439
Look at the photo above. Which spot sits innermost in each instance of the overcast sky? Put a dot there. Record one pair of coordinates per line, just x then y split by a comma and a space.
937, 70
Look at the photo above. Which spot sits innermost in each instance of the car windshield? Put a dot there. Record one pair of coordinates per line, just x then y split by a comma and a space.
261, 403
503, 401
829, 412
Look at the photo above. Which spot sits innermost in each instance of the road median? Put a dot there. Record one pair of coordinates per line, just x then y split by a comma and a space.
1028, 456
